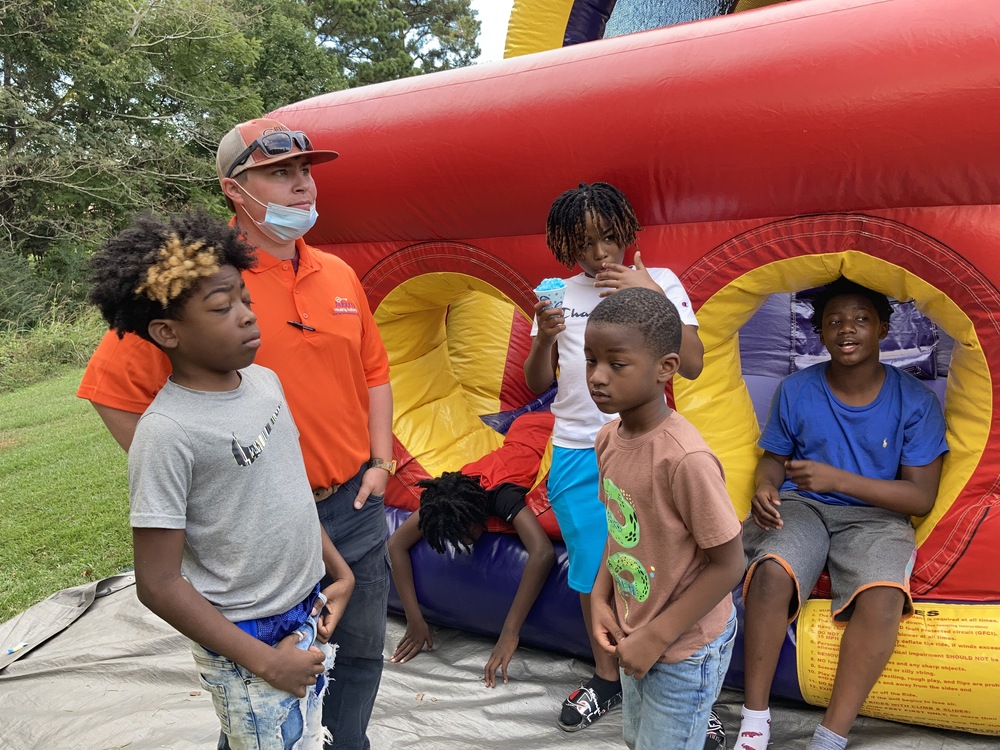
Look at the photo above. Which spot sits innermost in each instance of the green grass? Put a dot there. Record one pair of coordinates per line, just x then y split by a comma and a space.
64, 497
62, 341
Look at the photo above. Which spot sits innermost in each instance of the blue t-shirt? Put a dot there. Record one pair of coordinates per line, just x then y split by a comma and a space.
903, 426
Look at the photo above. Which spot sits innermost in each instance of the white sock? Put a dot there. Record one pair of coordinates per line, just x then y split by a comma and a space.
824, 739
755, 729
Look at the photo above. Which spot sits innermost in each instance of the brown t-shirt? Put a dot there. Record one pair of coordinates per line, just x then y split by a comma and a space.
667, 502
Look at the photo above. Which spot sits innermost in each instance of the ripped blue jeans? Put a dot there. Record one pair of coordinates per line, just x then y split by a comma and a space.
254, 714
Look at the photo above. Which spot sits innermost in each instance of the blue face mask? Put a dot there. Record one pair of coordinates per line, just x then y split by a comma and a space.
287, 223
284, 223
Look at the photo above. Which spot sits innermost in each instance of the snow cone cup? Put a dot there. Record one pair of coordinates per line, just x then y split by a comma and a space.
553, 290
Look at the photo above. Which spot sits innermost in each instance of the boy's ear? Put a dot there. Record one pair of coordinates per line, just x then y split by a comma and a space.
667, 367
161, 330
883, 329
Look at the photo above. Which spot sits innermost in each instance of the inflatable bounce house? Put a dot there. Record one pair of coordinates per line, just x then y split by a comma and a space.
766, 153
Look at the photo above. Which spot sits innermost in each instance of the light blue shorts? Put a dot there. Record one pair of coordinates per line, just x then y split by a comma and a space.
573, 486
669, 706
256, 715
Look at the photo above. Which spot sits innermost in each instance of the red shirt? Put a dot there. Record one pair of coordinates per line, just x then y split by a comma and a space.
517, 460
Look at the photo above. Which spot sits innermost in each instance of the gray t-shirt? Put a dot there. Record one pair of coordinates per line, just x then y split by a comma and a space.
227, 468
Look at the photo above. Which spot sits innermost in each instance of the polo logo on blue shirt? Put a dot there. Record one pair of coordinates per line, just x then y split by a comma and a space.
344, 306
885, 442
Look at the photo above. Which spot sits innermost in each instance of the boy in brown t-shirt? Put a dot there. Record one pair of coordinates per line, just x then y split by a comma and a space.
662, 602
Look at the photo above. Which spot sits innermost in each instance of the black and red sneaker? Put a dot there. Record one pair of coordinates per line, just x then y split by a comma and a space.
715, 738
583, 708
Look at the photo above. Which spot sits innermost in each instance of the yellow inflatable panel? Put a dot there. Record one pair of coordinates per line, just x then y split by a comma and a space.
945, 671
536, 25
447, 336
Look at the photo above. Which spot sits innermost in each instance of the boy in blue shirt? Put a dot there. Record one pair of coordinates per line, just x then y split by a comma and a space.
852, 449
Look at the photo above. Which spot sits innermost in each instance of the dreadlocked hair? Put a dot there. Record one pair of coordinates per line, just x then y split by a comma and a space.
449, 506
648, 312
152, 268
566, 226
844, 286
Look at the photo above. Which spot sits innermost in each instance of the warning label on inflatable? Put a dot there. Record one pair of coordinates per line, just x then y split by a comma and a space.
945, 671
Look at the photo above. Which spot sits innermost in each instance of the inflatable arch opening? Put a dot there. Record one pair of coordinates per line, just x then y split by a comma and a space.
734, 280
456, 342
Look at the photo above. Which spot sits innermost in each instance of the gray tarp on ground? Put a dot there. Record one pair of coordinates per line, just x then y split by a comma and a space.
102, 672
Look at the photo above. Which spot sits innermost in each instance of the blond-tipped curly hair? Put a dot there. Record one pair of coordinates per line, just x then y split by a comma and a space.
151, 269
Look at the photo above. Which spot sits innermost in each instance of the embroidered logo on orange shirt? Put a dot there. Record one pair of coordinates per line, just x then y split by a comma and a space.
344, 306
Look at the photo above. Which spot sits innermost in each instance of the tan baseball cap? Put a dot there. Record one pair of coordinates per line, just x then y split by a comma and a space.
258, 137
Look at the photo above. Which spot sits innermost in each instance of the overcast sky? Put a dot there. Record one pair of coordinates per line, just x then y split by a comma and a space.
493, 16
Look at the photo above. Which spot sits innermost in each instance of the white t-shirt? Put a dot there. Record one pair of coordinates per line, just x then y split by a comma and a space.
577, 417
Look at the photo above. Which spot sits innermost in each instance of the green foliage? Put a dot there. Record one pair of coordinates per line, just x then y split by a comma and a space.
382, 40
62, 337
107, 109
111, 108
64, 508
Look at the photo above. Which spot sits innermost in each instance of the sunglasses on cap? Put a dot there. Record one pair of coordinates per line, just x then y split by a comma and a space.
278, 143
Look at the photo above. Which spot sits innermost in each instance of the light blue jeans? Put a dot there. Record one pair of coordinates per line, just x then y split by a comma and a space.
669, 706
254, 714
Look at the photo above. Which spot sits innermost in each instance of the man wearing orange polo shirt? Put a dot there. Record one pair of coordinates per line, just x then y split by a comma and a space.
319, 336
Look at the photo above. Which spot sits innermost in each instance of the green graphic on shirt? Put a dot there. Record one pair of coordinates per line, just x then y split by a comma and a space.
627, 532
638, 587
630, 576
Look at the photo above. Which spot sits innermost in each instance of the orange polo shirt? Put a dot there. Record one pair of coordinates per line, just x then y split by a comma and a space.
326, 373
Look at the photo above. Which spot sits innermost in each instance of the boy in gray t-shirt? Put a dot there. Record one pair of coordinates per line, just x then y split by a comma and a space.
228, 545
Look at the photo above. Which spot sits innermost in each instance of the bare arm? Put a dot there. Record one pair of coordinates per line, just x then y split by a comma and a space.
417, 633
692, 352
161, 588
540, 365
768, 477
913, 493
536, 570
640, 650
337, 593
373, 481
606, 633
121, 424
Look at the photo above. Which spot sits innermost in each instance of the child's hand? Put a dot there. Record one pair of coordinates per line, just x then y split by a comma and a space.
638, 652
616, 276
812, 475
606, 631
550, 320
291, 669
329, 607
500, 657
412, 642
764, 507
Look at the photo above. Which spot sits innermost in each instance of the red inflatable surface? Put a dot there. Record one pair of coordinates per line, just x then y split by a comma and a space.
764, 152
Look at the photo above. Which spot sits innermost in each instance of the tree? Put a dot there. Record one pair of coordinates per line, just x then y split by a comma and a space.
111, 107
382, 40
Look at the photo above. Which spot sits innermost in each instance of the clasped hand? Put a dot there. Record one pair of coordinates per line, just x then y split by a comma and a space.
811, 476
